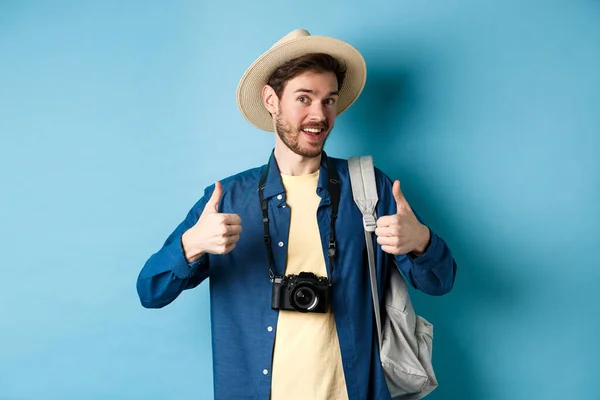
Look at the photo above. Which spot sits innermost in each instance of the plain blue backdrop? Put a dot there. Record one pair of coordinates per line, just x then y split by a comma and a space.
115, 115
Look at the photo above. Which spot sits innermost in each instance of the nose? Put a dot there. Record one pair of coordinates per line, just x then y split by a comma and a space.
317, 112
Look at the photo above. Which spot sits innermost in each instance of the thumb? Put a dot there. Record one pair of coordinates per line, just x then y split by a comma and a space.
401, 203
213, 203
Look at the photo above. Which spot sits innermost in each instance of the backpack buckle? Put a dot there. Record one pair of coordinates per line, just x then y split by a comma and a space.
369, 222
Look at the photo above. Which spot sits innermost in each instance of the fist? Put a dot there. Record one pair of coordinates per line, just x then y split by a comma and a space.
402, 233
214, 232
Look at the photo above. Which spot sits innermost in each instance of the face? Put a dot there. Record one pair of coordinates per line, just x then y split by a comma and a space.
305, 114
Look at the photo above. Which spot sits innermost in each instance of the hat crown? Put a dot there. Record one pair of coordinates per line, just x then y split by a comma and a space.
295, 34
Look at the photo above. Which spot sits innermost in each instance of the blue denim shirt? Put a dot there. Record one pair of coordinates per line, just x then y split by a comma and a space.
242, 321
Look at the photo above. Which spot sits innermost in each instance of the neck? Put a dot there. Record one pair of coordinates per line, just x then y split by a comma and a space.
290, 163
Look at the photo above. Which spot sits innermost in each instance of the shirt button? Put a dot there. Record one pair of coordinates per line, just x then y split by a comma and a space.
279, 197
265, 372
283, 206
280, 244
270, 328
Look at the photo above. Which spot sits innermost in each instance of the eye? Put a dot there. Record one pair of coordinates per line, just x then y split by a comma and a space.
329, 102
303, 99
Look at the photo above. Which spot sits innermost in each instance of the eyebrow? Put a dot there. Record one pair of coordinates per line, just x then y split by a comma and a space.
335, 93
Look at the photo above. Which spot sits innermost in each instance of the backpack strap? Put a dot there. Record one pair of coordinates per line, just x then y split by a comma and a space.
364, 190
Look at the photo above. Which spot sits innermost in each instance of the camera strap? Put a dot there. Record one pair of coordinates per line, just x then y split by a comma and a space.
333, 187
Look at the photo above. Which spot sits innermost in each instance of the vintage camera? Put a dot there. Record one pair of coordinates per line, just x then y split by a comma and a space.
304, 292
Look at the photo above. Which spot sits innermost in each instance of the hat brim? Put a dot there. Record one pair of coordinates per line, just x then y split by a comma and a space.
249, 92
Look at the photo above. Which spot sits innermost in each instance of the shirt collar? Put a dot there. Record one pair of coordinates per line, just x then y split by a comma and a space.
274, 184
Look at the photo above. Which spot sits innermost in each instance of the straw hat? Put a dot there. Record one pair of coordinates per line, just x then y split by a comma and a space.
295, 44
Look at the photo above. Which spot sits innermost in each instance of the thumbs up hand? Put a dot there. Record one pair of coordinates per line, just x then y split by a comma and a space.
402, 233
214, 232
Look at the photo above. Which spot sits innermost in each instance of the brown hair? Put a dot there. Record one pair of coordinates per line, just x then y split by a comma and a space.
314, 62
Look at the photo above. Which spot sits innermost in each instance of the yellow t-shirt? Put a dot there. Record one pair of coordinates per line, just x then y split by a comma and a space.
307, 363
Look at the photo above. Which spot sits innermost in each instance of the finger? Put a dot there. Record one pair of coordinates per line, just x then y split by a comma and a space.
387, 221
233, 230
232, 219
393, 250
401, 203
228, 248
388, 249
387, 241
223, 248
383, 231
232, 239
213, 203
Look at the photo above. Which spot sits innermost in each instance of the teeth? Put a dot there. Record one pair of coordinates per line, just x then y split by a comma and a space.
311, 130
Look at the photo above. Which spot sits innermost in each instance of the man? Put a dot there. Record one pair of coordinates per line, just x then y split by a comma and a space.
252, 230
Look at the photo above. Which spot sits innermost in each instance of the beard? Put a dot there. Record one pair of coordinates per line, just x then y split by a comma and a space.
290, 136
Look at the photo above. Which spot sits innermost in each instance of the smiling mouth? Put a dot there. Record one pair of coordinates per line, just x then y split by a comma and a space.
313, 131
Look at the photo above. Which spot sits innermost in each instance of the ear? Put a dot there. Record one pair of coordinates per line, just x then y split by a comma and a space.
270, 99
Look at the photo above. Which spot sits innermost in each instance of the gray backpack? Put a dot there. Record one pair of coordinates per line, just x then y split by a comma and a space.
405, 339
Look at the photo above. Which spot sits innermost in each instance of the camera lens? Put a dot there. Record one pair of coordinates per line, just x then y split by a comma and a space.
304, 298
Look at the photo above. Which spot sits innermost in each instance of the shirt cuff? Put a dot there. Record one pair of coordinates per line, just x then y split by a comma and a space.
431, 254
180, 267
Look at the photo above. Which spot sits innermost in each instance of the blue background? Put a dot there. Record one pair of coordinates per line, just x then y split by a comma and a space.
115, 115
